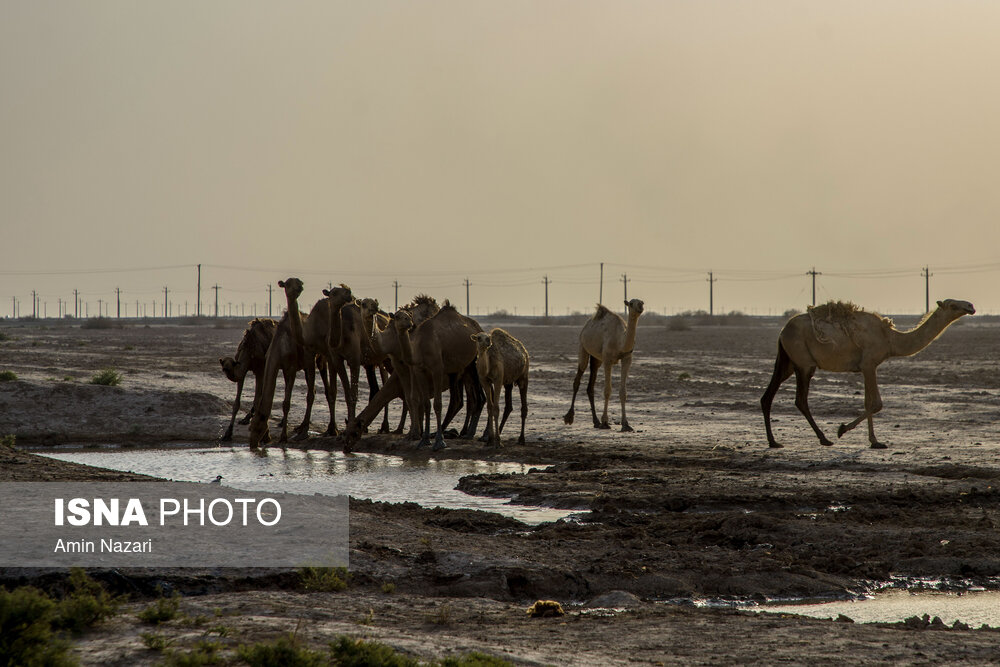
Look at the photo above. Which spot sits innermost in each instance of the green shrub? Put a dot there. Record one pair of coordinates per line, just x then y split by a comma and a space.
4, 336
26, 636
285, 652
154, 642
204, 653
108, 377
8, 440
86, 605
324, 579
7, 376
161, 611
348, 652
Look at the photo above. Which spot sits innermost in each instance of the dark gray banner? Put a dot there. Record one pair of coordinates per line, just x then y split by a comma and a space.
168, 524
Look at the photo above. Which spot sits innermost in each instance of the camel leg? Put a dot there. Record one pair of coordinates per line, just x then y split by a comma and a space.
341, 370
594, 365
508, 406
782, 371
607, 395
228, 435
301, 432
873, 404
438, 404
256, 400
523, 386
476, 399
580, 367
352, 398
456, 400
802, 379
286, 404
492, 408
373, 391
622, 394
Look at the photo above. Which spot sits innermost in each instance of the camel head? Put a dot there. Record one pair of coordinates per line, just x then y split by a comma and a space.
402, 320
292, 286
956, 308
423, 307
339, 295
635, 306
482, 340
229, 368
369, 307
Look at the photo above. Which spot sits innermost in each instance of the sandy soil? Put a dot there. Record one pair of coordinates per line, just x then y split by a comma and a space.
692, 505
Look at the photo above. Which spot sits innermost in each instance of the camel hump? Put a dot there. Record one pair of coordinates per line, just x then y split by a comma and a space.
601, 312
834, 311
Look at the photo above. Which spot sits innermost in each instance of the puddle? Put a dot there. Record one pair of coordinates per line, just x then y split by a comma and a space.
429, 483
973, 608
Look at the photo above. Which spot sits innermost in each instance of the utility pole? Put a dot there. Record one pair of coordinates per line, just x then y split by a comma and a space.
199, 291
711, 293
600, 292
100, 307
34, 312
546, 281
927, 288
60, 308
166, 308
118, 294
13, 307
467, 297
625, 280
395, 284
76, 304
216, 288
814, 273
269, 295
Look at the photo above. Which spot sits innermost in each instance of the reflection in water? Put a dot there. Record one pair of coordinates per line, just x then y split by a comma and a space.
973, 608
376, 476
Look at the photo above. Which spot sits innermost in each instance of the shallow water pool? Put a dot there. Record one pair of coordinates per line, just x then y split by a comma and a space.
973, 608
430, 483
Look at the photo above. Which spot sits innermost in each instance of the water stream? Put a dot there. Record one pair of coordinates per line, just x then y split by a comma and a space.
972, 607
430, 483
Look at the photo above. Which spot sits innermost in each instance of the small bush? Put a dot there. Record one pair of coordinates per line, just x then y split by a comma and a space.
678, 323
161, 611
476, 659
109, 377
286, 652
154, 642
7, 376
86, 605
388, 588
4, 336
350, 652
26, 636
204, 653
324, 579
8, 440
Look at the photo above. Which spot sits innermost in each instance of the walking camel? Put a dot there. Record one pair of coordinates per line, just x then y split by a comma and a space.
841, 337
501, 361
250, 356
606, 339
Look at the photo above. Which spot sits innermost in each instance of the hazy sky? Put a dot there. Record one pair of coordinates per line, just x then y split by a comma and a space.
502, 141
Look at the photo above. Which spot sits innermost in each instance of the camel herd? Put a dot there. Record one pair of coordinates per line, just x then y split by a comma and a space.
424, 349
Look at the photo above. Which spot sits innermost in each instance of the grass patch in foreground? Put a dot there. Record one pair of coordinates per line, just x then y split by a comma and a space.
324, 579
108, 377
34, 626
7, 376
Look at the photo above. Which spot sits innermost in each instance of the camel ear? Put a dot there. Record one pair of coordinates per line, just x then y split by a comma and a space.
940, 304
281, 283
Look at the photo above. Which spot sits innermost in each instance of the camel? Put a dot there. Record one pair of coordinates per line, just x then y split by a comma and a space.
606, 339
250, 355
841, 337
439, 347
286, 353
374, 319
320, 337
501, 361
386, 342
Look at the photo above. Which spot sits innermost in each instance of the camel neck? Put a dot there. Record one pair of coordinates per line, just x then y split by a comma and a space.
906, 343
295, 321
405, 347
630, 330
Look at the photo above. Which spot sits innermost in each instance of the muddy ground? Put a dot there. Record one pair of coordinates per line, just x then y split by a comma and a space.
692, 505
